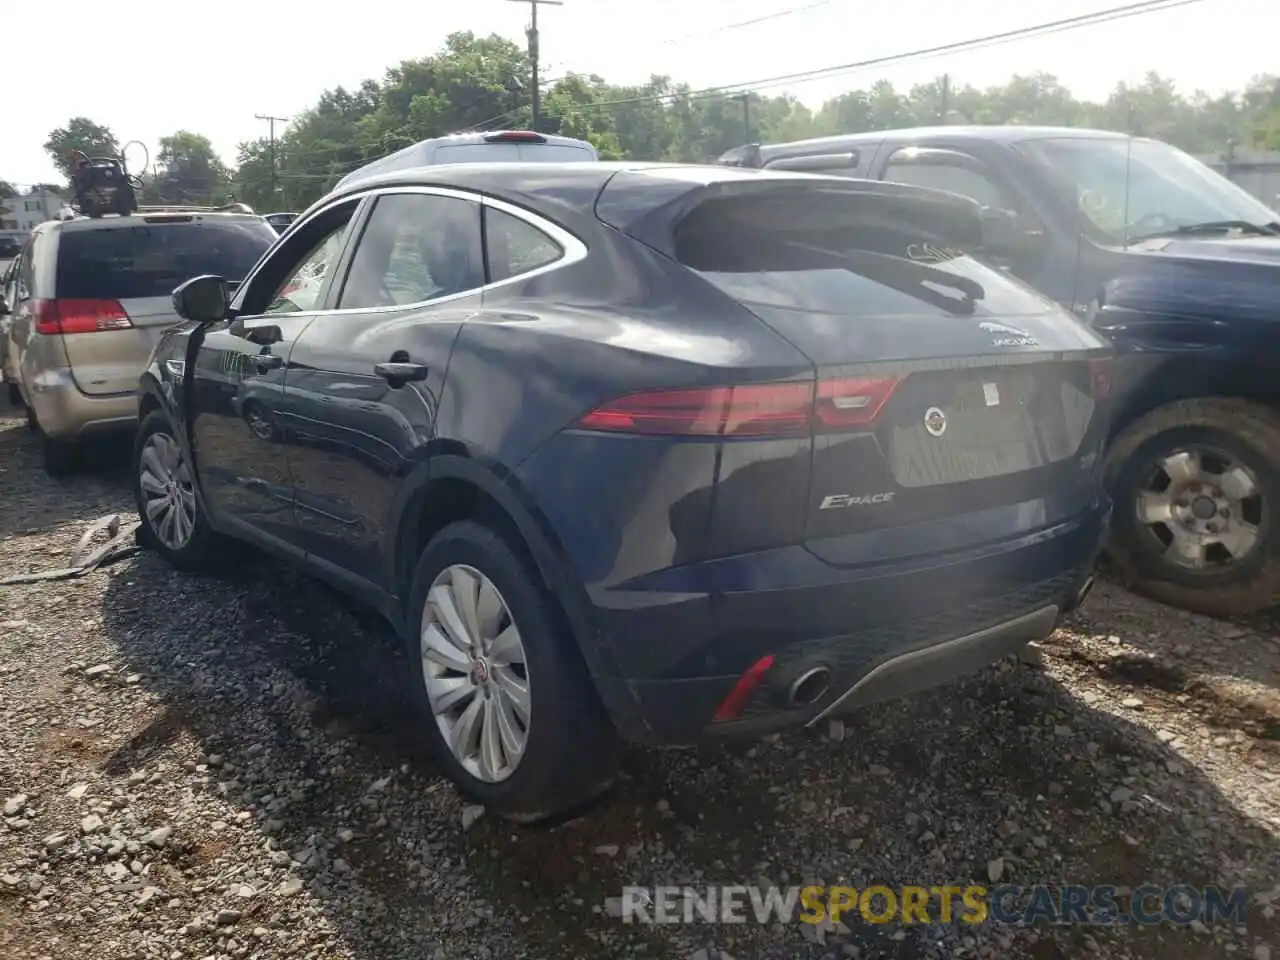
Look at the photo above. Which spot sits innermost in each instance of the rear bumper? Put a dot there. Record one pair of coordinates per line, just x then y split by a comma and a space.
65, 413
866, 635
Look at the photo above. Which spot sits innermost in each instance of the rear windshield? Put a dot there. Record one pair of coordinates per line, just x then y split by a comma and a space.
150, 259
848, 255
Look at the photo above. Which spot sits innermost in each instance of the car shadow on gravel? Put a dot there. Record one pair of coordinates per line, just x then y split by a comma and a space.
100, 487
294, 700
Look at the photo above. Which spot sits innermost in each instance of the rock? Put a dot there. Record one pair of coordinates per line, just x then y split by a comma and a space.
345, 835
91, 824
290, 888
1121, 794
1133, 703
1198, 927
158, 837
245, 892
995, 869
607, 850
835, 730
116, 872
99, 670
54, 840
225, 917
1262, 952
78, 791
147, 895
15, 805
470, 814
1165, 736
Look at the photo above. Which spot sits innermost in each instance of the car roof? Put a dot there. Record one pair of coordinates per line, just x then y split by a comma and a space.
1008, 133
573, 185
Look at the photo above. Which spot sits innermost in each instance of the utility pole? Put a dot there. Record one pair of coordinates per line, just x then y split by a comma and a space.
746, 115
271, 148
944, 97
532, 33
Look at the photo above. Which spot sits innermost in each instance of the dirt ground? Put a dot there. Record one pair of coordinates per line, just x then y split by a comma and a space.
228, 767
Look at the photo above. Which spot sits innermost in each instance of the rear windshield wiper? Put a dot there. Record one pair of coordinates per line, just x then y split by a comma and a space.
1213, 226
906, 276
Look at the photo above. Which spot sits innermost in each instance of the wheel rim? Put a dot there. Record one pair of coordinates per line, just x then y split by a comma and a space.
477, 680
1203, 507
168, 496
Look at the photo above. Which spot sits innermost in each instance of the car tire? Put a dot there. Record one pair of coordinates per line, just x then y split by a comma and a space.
1212, 450
59, 458
159, 476
570, 748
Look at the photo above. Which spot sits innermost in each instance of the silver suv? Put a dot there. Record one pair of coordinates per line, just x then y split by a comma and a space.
89, 302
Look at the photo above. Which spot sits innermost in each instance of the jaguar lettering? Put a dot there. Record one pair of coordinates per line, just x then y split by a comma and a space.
838, 501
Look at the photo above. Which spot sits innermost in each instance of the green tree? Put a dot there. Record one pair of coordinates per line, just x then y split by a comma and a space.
83, 135
188, 170
7, 190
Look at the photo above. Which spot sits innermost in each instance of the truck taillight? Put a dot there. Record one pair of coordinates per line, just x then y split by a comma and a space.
54, 317
1100, 378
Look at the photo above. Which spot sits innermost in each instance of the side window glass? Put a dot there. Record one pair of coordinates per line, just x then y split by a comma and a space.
301, 289
515, 246
415, 247
26, 275
951, 177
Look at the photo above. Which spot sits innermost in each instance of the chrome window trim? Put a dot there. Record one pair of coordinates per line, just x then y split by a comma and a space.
572, 249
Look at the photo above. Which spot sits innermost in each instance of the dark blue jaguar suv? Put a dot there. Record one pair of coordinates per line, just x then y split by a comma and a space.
642, 452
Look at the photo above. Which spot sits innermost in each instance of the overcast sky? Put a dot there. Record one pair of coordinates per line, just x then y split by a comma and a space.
236, 58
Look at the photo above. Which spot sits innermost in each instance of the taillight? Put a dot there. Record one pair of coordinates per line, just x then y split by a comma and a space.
515, 136
55, 317
752, 410
1100, 378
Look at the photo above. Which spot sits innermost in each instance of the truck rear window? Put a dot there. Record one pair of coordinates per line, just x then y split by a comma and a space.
847, 255
150, 259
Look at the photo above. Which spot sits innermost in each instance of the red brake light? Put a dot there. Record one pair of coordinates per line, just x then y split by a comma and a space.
753, 410
747, 684
1100, 378
515, 136
55, 317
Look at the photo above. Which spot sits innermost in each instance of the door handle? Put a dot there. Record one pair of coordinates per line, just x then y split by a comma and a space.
397, 373
267, 361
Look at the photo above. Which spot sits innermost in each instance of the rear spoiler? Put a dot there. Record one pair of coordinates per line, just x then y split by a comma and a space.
649, 205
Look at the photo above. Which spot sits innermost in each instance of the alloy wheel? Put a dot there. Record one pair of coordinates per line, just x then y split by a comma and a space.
168, 493
474, 668
1204, 508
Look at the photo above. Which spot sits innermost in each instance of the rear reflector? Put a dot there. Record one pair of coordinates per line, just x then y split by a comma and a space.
753, 410
54, 317
747, 684
515, 136
1100, 378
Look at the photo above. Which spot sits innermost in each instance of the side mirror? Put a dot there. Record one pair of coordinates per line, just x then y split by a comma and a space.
5, 309
203, 299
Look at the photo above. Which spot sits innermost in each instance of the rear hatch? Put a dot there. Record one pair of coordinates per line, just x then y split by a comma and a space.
954, 404
115, 279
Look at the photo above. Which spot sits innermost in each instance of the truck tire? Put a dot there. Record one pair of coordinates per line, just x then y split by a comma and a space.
1196, 489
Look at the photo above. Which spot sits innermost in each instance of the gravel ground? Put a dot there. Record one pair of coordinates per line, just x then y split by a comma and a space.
227, 767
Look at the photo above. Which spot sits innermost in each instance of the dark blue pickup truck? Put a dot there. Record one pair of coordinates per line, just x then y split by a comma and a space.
1180, 269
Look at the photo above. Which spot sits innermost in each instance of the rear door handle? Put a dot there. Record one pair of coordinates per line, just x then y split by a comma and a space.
397, 372
267, 361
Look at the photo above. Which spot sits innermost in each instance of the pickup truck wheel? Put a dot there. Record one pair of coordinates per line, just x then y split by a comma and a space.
506, 698
1196, 488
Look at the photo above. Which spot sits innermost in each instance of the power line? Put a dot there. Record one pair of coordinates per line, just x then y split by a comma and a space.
498, 119
805, 76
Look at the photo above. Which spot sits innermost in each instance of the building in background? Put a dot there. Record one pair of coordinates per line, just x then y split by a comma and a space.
20, 213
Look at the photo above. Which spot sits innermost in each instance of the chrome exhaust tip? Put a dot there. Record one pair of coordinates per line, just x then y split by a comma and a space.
810, 687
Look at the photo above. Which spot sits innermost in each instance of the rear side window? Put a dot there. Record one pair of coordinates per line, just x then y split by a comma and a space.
150, 259
514, 246
847, 255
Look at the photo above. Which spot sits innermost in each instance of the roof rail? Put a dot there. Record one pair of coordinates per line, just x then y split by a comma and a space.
194, 208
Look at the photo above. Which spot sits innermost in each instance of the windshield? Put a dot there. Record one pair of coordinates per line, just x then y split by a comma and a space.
1167, 189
